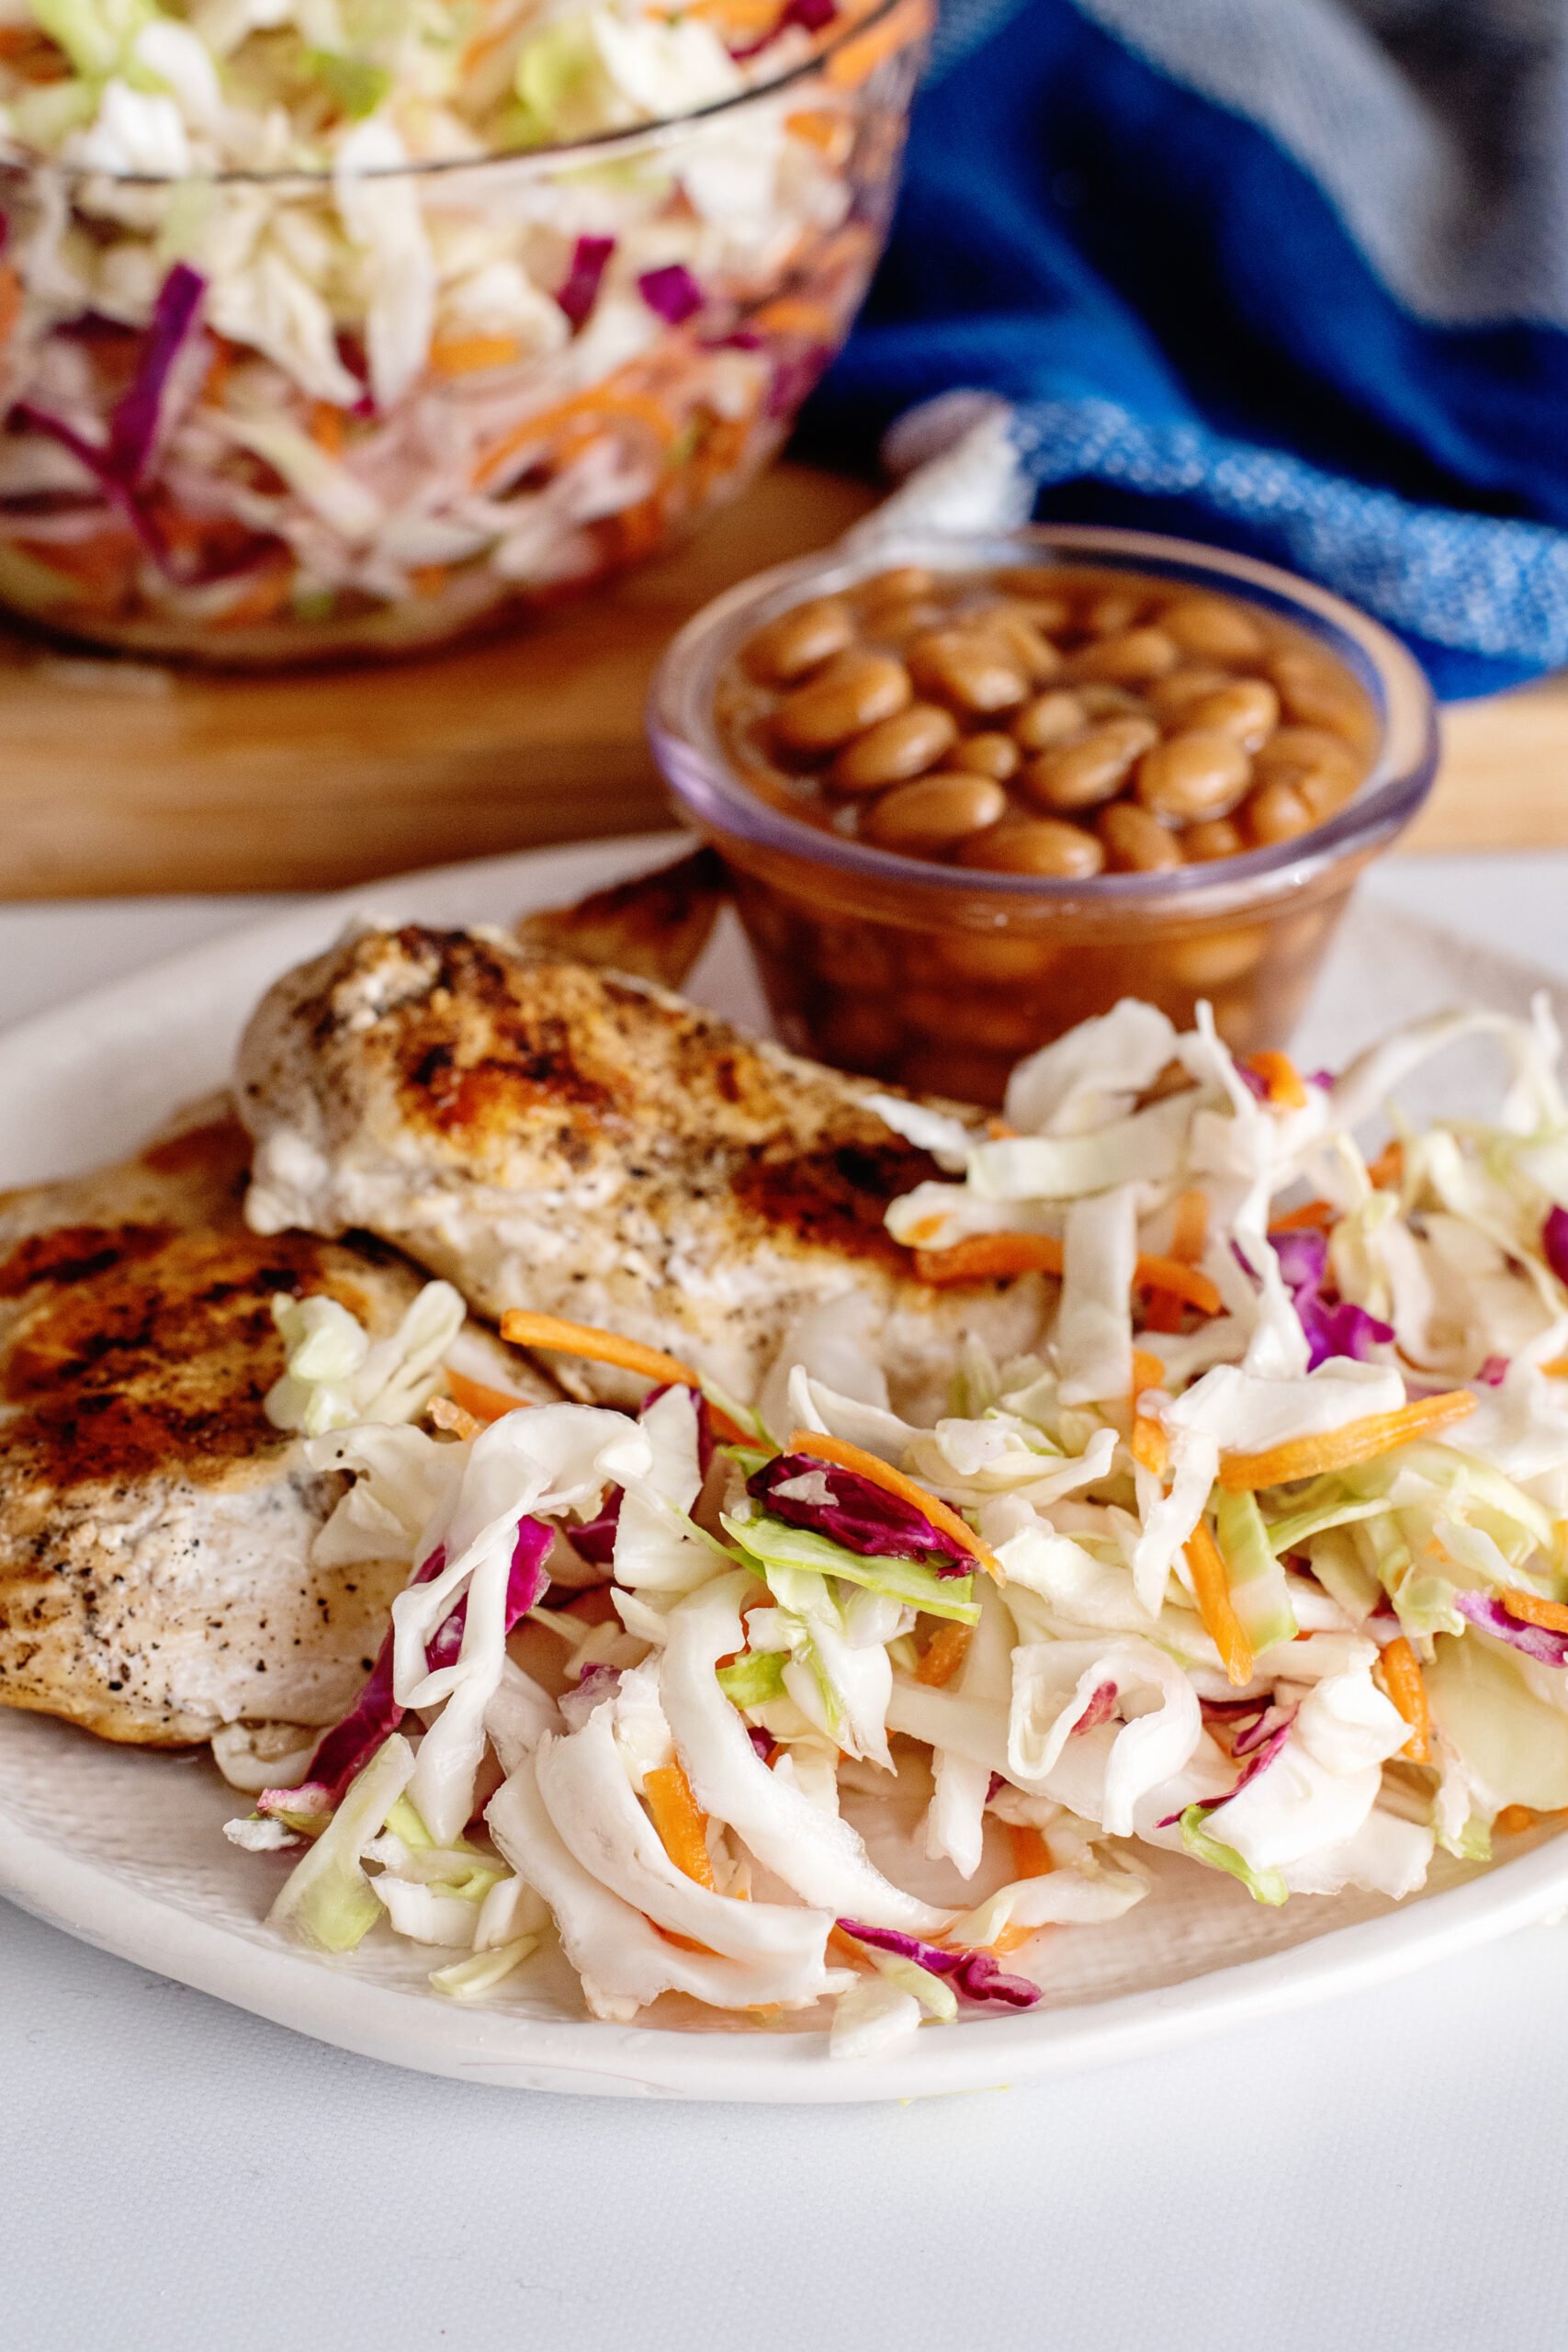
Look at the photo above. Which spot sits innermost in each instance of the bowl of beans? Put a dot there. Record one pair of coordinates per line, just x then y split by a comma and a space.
972, 790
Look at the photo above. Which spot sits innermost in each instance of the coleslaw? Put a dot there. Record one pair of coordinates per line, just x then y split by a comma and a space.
1261, 1561
326, 325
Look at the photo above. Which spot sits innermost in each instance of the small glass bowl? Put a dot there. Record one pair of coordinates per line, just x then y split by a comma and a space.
940, 976
282, 516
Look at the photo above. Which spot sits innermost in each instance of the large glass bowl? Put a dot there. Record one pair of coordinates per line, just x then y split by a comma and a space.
314, 491
941, 977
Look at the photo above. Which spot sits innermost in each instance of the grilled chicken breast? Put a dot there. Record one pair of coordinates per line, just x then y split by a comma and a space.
154, 1528
570, 1140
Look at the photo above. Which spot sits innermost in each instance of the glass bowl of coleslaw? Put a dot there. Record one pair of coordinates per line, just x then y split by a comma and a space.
346, 331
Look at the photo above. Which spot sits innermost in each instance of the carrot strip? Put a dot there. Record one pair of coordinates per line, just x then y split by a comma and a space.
1400, 1674
1181, 1282
1312, 1217
467, 355
869, 1465
600, 400
1190, 1231
1557, 1369
1148, 1439
478, 1398
1387, 1171
10, 301
1515, 1818
326, 429
429, 580
847, 67
993, 1257
525, 1330
1531, 1610
1031, 1857
1308, 1457
680, 1822
943, 1654
1281, 1077
1212, 1590
989, 1257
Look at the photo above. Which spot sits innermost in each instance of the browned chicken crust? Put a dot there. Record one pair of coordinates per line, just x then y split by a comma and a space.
154, 1527
553, 1136
654, 926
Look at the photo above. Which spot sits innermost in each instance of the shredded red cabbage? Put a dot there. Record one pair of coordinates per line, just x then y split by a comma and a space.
1535, 1641
119, 464
580, 290
1257, 1761
974, 1974
376, 1715
671, 293
864, 1517
762, 1741
1100, 1709
595, 1538
1494, 1372
1332, 1328
133, 428
1554, 1242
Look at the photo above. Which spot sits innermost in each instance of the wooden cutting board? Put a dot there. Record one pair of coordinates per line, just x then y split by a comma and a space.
121, 778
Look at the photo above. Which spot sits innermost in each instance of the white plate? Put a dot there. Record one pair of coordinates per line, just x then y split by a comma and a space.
124, 1850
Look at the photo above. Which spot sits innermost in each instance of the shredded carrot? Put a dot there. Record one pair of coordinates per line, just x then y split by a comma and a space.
1309, 1457
846, 1947
1148, 1441
478, 1398
1557, 1369
992, 1257
817, 127
1516, 1817
943, 1654
602, 400
989, 1257
1282, 1079
1400, 1674
326, 429
525, 1330
1531, 1610
1387, 1171
792, 315
847, 67
1031, 1857
10, 301
1181, 1282
869, 1465
682, 1823
429, 579
467, 355
998, 1130
1212, 1590
1312, 1217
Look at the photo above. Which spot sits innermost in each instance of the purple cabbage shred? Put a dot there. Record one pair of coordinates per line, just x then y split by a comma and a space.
974, 1975
1333, 1328
376, 1715
673, 294
861, 1516
1539, 1642
578, 295
1554, 1242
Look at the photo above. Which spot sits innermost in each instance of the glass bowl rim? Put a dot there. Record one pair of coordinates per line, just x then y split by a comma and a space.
687, 746
599, 145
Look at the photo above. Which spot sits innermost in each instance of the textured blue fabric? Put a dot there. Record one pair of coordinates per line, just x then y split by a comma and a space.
1168, 283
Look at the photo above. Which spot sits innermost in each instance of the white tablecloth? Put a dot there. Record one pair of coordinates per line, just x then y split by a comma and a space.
175, 2177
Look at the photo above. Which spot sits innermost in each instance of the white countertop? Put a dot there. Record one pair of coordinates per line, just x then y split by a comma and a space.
180, 2177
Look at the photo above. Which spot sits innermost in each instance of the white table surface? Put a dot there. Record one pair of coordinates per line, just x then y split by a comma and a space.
176, 2176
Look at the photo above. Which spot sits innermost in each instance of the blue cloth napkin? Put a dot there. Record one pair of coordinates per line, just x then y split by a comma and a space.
1290, 276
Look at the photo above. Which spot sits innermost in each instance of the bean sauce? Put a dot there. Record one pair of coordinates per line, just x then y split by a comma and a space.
1100, 705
